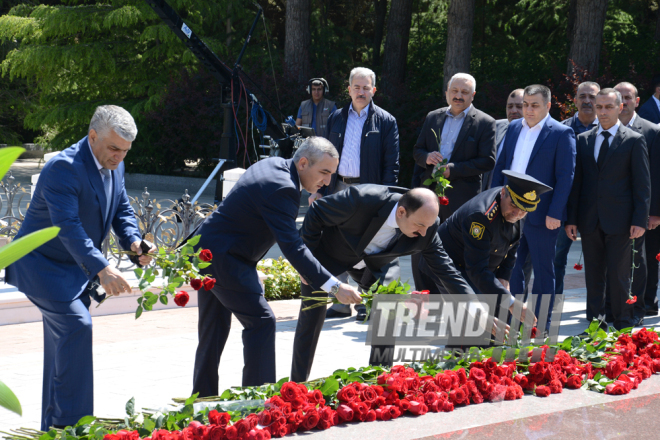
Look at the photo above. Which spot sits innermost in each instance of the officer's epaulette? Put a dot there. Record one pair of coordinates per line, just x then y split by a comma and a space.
492, 211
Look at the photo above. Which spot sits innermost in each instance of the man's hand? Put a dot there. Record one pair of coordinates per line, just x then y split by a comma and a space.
446, 172
113, 282
434, 158
314, 197
348, 294
636, 232
523, 313
144, 259
504, 283
571, 231
552, 223
497, 324
654, 221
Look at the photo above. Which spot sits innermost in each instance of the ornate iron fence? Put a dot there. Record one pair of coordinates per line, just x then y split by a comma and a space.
166, 223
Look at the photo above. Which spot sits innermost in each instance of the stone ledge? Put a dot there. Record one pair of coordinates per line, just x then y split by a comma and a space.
173, 184
16, 308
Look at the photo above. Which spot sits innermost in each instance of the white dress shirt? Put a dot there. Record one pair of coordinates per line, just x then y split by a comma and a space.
600, 138
657, 102
525, 144
349, 163
630, 123
382, 238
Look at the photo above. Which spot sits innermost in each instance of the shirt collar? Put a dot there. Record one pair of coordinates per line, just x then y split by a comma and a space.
96, 161
364, 110
630, 123
657, 101
593, 124
538, 126
465, 112
391, 220
612, 130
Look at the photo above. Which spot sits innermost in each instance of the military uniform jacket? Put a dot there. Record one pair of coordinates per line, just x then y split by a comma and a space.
481, 242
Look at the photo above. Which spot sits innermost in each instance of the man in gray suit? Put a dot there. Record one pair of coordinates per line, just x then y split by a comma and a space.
514, 105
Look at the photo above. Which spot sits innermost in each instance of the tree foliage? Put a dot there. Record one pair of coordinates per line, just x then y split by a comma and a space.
69, 56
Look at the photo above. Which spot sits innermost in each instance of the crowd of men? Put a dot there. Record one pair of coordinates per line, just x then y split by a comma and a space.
599, 164
521, 189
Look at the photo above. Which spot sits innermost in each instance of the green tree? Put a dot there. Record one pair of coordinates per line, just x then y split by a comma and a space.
84, 54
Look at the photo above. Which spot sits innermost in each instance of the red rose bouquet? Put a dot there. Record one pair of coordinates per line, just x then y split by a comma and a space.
438, 177
177, 267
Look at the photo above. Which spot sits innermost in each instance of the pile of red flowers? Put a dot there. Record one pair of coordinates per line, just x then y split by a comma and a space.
627, 361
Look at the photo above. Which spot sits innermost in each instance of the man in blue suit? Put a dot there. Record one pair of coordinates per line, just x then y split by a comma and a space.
81, 190
651, 108
543, 148
258, 212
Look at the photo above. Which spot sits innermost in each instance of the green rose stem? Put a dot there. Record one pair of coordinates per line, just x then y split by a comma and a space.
632, 299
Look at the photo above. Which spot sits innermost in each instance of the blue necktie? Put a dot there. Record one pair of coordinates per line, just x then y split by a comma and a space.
107, 185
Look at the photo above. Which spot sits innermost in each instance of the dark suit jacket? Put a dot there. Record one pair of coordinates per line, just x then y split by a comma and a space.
501, 125
618, 195
261, 209
552, 162
339, 227
70, 194
379, 147
651, 133
473, 155
650, 111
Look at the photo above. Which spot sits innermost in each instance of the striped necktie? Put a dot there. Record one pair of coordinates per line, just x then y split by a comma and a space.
107, 185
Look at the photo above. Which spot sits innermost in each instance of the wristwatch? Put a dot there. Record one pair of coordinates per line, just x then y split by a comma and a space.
334, 289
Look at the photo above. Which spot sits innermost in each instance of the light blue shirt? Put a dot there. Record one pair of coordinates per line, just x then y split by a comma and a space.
450, 130
349, 163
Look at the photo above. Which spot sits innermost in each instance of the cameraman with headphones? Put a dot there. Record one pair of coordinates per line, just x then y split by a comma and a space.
314, 112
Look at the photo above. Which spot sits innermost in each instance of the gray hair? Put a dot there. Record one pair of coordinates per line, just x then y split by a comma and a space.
588, 84
466, 77
627, 84
608, 91
362, 72
314, 148
535, 89
112, 117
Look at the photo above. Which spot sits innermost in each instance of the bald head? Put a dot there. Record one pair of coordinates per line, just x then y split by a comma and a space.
417, 198
417, 211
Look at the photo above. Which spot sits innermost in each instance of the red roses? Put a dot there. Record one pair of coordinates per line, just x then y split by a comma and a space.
205, 255
577, 266
443, 201
207, 283
181, 298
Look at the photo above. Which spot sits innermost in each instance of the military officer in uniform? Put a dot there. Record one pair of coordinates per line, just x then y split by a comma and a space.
482, 236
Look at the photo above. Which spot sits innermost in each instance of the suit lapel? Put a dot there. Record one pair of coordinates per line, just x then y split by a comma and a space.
514, 132
375, 225
545, 131
591, 148
441, 123
294, 173
94, 176
462, 134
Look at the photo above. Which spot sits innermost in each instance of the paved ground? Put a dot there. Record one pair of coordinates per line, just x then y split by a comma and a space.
152, 358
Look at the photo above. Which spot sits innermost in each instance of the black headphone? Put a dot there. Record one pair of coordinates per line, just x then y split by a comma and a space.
326, 89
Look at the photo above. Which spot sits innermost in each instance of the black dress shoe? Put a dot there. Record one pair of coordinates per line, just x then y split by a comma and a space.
331, 313
361, 316
639, 321
651, 312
